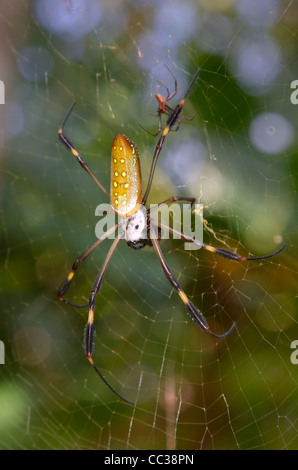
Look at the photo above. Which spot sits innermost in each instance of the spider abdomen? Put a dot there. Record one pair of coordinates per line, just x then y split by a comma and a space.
126, 179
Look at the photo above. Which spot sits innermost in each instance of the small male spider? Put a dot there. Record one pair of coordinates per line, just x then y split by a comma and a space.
126, 200
174, 115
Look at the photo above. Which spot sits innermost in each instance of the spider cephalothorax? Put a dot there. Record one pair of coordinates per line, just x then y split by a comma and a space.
137, 230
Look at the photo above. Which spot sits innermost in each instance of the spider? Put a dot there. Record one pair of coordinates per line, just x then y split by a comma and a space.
127, 201
164, 108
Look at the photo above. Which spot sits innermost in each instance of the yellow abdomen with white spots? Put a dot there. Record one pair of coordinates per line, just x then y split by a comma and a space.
126, 179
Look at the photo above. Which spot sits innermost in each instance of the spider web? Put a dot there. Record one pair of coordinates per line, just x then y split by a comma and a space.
237, 157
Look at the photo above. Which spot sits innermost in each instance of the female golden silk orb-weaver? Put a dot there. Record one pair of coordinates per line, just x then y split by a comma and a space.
126, 200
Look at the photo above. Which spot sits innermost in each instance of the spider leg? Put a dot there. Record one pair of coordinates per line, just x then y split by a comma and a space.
219, 251
188, 118
193, 311
66, 283
69, 146
190, 85
179, 122
89, 332
168, 91
177, 127
169, 97
159, 124
159, 128
255, 258
155, 157
234, 256
172, 199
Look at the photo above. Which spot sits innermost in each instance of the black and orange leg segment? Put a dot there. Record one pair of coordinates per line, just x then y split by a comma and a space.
69, 146
192, 310
66, 283
235, 257
89, 332
219, 251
